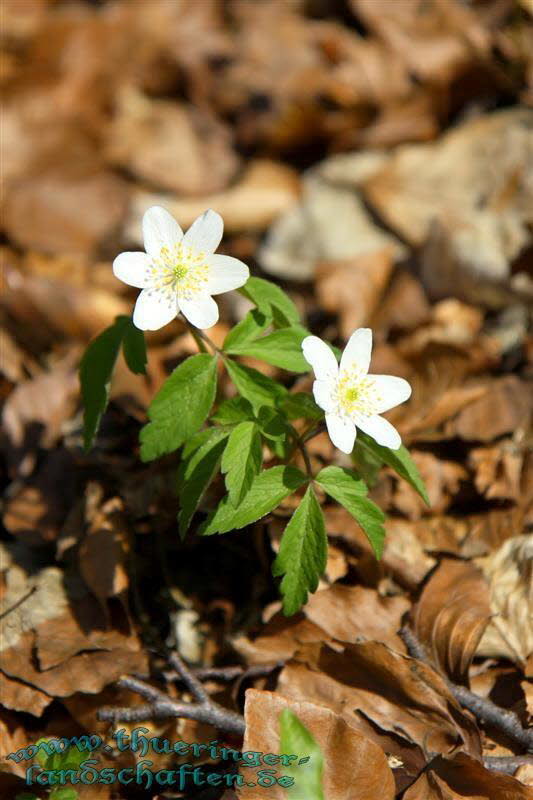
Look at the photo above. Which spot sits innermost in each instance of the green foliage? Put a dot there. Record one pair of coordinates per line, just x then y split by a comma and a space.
255, 387
198, 467
271, 301
266, 492
242, 460
400, 461
63, 793
180, 407
282, 348
302, 553
231, 435
96, 369
296, 739
301, 406
347, 489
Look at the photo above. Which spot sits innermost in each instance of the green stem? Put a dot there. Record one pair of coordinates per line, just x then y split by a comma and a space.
201, 338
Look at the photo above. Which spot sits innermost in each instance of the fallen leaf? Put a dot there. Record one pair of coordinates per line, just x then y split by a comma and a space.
350, 759
451, 616
509, 571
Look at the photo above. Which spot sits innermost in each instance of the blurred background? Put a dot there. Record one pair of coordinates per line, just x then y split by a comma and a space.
375, 157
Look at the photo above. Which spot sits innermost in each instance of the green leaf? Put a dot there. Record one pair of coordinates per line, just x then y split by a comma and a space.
63, 793
268, 489
302, 554
257, 388
197, 470
96, 369
242, 460
282, 348
253, 325
273, 425
232, 411
295, 739
400, 460
300, 405
134, 349
271, 301
350, 491
180, 407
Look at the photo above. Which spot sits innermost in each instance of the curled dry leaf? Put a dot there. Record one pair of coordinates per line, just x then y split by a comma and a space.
509, 571
505, 407
451, 616
463, 778
500, 472
350, 758
400, 695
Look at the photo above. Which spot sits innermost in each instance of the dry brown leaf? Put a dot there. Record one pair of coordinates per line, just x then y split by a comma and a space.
462, 777
353, 288
404, 554
46, 400
453, 185
499, 471
451, 616
104, 550
350, 759
509, 571
355, 613
398, 694
56, 639
265, 190
279, 640
505, 407
442, 479
174, 147
330, 224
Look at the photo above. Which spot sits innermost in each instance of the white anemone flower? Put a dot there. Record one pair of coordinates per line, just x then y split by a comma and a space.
179, 272
350, 396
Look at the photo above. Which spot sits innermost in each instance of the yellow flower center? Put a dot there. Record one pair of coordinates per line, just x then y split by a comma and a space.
179, 270
356, 394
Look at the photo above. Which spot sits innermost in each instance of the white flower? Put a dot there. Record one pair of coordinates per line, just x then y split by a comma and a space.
350, 396
179, 272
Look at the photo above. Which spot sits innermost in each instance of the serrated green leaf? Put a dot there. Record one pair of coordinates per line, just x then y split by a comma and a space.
400, 461
296, 740
300, 405
134, 348
96, 369
253, 325
242, 460
302, 554
272, 423
272, 301
232, 411
180, 407
267, 491
197, 470
257, 388
281, 348
350, 491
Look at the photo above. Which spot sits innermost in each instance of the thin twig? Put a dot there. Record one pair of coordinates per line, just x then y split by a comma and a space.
200, 337
161, 705
482, 708
226, 674
507, 764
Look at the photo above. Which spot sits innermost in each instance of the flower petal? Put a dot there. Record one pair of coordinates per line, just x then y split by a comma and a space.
356, 355
225, 273
323, 391
160, 229
341, 431
320, 357
131, 268
201, 310
391, 391
152, 312
381, 430
206, 232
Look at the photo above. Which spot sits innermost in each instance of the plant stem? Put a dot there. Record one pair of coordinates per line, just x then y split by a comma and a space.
200, 337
